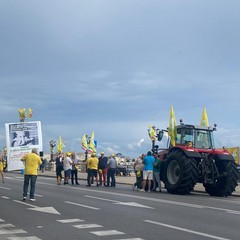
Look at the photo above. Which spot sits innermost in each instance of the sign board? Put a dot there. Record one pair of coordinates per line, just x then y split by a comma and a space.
235, 153
21, 138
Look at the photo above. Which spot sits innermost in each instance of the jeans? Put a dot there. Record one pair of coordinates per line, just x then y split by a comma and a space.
102, 176
74, 175
111, 174
156, 180
32, 179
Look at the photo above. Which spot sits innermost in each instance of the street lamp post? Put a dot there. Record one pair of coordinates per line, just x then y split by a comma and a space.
52, 144
86, 151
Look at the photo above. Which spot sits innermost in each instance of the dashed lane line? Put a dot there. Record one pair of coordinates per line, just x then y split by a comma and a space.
107, 233
82, 205
74, 220
91, 225
24, 238
187, 230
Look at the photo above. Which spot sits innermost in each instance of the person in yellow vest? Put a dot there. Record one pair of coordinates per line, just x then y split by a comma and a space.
31, 162
1, 168
93, 167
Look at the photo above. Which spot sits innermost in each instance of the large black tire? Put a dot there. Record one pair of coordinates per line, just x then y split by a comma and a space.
181, 173
227, 184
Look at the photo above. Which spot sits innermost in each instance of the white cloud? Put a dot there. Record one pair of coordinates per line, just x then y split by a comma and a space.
117, 67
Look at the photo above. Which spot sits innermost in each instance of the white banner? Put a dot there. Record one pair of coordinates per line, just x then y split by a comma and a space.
20, 139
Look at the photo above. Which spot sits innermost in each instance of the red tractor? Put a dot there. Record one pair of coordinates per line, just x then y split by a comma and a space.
194, 159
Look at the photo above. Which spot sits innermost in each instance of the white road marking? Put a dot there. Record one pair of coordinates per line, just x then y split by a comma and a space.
187, 230
151, 199
24, 203
132, 204
81, 205
37, 195
107, 233
4, 231
6, 225
5, 188
168, 202
71, 220
5, 197
130, 239
24, 238
45, 210
83, 226
103, 199
8, 177
39, 209
233, 212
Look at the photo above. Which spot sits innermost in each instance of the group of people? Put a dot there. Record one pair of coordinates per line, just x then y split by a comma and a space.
68, 165
147, 171
101, 170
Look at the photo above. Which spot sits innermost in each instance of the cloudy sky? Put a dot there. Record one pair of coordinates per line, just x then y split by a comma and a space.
116, 66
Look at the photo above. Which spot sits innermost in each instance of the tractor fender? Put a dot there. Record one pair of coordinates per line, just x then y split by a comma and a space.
223, 157
189, 154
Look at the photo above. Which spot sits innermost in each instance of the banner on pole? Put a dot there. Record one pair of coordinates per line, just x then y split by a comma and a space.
21, 138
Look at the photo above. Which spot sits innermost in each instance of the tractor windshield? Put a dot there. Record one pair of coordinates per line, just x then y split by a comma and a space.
191, 136
203, 139
185, 135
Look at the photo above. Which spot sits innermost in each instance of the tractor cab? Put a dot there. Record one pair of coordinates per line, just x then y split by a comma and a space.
195, 136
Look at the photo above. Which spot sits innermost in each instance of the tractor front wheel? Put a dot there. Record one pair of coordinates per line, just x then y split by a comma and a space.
181, 173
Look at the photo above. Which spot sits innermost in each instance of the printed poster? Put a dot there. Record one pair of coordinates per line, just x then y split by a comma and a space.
21, 138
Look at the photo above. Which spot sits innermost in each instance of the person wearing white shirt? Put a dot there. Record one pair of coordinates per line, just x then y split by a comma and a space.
67, 167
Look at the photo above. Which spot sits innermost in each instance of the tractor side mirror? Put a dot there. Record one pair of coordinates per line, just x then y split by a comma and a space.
160, 135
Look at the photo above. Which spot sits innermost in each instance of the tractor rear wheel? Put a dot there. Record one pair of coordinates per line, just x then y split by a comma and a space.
181, 173
226, 184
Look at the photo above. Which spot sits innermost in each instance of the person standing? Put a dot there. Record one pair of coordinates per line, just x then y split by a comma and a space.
1, 168
93, 168
31, 162
43, 165
148, 171
67, 167
59, 168
74, 171
138, 169
102, 169
156, 174
112, 165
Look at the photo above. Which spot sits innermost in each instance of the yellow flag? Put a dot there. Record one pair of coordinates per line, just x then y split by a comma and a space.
22, 114
91, 147
204, 119
172, 129
60, 145
84, 142
30, 113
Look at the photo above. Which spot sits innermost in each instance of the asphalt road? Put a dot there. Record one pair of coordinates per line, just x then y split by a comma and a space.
79, 212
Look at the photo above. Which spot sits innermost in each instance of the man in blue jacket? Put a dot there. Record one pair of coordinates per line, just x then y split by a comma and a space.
148, 171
